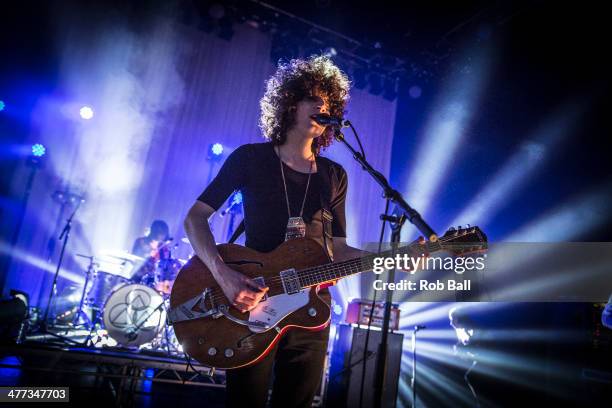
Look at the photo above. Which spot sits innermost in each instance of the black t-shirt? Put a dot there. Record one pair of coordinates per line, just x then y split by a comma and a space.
254, 169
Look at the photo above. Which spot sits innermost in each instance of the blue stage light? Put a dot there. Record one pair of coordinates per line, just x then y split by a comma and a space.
2, 105
86, 112
415, 92
217, 149
38, 150
337, 309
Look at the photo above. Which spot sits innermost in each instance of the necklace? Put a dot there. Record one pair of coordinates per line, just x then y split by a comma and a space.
296, 227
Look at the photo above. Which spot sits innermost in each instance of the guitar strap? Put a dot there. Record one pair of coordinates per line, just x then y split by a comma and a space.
329, 185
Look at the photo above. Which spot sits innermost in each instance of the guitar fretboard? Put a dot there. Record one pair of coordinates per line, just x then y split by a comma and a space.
337, 270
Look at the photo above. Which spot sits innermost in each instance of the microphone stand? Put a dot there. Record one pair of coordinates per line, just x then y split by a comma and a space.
408, 213
414, 363
64, 235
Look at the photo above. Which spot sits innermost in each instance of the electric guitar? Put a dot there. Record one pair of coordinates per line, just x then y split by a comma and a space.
218, 335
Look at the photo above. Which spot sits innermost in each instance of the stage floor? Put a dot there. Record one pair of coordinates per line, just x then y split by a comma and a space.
111, 377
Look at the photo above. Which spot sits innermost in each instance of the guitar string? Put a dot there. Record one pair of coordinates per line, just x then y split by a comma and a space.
310, 274
314, 272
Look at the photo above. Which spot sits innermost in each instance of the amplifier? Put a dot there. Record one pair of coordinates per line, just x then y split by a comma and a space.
358, 312
346, 368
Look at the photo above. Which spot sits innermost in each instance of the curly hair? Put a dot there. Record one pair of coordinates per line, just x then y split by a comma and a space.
292, 83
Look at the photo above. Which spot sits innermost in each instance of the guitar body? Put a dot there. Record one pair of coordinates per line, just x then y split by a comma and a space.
223, 340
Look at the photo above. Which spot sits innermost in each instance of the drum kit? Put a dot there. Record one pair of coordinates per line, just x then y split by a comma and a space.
124, 301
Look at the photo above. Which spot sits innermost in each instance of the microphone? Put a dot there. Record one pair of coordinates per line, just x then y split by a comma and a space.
324, 119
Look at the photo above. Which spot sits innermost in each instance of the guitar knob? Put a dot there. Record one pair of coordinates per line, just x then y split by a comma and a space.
212, 351
229, 352
312, 312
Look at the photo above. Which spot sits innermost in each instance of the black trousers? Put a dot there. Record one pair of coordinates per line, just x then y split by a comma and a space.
296, 363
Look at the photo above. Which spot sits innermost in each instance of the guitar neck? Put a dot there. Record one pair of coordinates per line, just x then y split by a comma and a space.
331, 272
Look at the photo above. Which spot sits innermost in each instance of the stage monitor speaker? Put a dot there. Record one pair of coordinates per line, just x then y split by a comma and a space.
346, 367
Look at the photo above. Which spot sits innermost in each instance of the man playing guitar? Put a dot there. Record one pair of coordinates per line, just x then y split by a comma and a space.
286, 187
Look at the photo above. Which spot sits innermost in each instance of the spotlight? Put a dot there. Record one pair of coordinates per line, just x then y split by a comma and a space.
337, 309
606, 315
38, 150
330, 52
215, 151
2, 105
86, 112
415, 92
463, 325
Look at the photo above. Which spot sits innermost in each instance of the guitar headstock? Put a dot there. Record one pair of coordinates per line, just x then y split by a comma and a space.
464, 240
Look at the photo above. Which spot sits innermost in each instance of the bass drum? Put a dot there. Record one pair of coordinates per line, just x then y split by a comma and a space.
101, 286
134, 315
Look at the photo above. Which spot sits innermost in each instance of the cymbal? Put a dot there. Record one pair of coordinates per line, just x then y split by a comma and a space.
123, 256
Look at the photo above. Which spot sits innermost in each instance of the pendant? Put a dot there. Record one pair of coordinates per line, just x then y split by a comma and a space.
296, 228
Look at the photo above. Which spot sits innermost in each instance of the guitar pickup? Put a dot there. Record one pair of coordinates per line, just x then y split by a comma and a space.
291, 281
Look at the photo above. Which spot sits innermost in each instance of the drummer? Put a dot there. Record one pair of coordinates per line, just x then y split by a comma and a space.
154, 247
151, 244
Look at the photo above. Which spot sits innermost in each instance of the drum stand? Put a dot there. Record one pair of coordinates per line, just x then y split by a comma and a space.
80, 313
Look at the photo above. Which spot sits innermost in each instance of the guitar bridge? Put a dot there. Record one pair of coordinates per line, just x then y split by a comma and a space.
291, 281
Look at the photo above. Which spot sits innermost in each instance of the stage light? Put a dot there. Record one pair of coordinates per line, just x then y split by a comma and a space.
38, 150
330, 52
337, 309
215, 152
2, 105
39, 263
444, 134
570, 220
520, 167
415, 92
217, 149
86, 112
458, 322
606, 315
